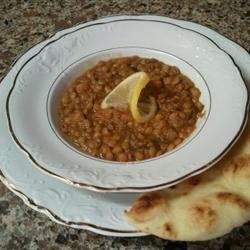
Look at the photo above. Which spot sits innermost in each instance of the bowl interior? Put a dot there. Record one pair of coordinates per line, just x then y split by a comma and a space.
79, 67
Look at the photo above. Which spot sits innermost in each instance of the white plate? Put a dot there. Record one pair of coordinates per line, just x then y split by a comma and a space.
78, 208
208, 66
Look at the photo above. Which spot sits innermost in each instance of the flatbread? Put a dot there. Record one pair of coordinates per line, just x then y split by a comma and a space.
203, 207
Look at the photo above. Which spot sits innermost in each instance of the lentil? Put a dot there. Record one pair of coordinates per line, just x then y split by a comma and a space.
112, 134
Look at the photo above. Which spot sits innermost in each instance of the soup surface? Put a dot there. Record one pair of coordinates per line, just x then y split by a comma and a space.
112, 133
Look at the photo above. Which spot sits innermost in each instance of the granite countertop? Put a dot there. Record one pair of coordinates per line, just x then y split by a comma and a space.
26, 22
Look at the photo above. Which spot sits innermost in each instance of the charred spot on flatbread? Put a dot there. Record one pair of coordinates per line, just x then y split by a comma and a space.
194, 181
233, 199
146, 206
203, 215
168, 231
238, 164
237, 171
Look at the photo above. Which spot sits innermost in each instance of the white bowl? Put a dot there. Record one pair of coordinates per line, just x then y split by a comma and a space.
83, 64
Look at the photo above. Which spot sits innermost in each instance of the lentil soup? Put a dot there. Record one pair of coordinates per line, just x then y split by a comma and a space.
112, 133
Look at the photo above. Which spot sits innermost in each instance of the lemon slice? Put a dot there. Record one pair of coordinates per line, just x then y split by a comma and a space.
127, 93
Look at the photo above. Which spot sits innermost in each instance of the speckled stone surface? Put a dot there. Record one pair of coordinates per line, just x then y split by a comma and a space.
26, 22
